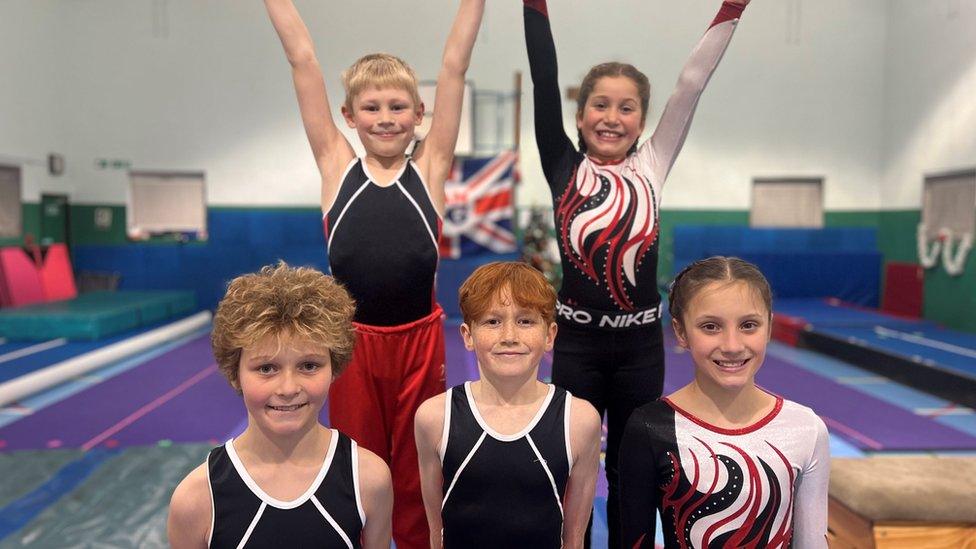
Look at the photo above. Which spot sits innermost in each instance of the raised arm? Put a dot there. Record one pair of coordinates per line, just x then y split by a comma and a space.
550, 137
331, 149
638, 485
437, 149
810, 506
584, 436
669, 136
428, 430
377, 499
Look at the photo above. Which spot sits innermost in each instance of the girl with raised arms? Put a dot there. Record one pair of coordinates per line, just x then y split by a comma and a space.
606, 198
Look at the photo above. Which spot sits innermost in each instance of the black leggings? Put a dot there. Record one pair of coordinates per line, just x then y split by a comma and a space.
616, 371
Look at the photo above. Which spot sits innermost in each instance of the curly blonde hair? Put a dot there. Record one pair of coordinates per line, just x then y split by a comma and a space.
277, 299
379, 70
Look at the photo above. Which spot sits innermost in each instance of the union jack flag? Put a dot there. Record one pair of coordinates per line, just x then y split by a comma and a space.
479, 207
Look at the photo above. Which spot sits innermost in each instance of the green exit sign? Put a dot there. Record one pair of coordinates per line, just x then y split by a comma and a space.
112, 164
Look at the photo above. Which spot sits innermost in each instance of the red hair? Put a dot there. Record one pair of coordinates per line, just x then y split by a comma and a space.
526, 286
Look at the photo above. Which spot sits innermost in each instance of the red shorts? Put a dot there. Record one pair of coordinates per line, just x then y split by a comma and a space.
394, 369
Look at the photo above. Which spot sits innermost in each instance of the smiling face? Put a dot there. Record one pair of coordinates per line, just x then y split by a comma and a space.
612, 119
385, 119
508, 339
725, 327
284, 381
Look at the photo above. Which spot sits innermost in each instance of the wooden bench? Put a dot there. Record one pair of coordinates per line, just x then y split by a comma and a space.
903, 502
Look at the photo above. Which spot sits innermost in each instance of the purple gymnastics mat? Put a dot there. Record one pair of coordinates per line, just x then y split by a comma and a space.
178, 396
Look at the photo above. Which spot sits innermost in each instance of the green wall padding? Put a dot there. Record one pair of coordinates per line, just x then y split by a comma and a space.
84, 231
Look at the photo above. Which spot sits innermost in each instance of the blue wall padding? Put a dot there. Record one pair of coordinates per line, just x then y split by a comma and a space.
241, 241
841, 262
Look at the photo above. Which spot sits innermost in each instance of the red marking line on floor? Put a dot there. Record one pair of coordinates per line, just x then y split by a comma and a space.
135, 416
853, 433
951, 409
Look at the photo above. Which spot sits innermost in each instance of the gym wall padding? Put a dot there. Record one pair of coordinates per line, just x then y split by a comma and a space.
841, 262
240, 241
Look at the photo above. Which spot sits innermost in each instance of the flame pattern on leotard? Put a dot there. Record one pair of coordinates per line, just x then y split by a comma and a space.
608, 221
730, 500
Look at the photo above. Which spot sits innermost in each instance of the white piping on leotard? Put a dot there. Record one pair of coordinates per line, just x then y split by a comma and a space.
276, 503
419, 211
396, 177
345, 209
446, 431
355, 482
461, 468
545, 467
423, 183
495, 434
345, 172
213, 509
331, 521
569, 449
250, 528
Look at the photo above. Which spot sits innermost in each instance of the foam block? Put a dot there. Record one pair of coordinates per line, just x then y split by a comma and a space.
56, 277
21, 277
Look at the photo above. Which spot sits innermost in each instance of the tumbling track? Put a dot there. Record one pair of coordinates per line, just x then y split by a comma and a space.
179, 397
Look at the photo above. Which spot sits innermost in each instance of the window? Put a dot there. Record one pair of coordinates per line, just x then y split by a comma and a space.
465, 140
10, 206
166, 203
949, 202
787, 202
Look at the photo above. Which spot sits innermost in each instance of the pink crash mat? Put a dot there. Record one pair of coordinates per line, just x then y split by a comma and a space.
20, 278
56, 276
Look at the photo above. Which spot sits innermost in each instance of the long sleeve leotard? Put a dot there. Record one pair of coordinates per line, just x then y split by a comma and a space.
607, 215
760, 486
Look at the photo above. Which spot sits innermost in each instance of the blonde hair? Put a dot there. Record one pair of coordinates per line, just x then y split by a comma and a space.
279, 298
527, 287
379, 70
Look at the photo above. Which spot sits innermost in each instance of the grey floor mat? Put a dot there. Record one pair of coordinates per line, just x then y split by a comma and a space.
23, 471
124, 503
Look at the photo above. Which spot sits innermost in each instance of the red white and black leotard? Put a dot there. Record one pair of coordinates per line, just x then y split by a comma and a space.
609, 349
607, 214
761, 486
383, 247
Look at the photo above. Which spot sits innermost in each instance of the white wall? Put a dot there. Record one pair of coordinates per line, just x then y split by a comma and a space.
786, 100
31, 105
205, 86
930, 100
